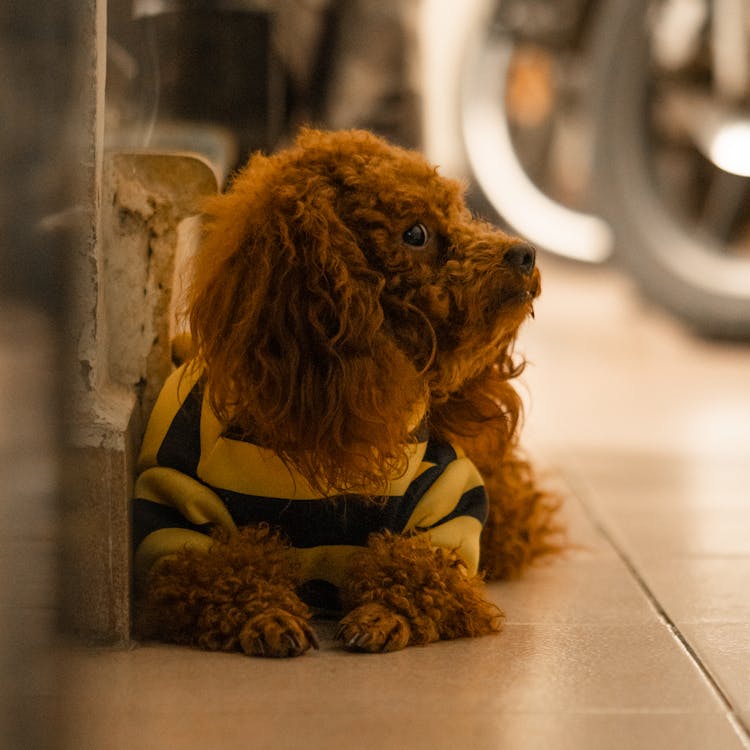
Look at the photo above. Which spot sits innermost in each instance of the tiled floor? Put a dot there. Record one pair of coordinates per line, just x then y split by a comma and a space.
638, 638
659, 456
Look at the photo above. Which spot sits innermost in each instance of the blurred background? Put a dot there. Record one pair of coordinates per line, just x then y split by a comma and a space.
597, 129
613, 134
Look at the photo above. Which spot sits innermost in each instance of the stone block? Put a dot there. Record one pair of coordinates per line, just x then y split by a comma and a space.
124, 292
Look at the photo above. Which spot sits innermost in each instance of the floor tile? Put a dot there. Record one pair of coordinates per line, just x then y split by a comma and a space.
524, 687
668, 530
601, 591
642, 480
532, 668
700, 589
607, 371
403, 729
724, 648
585, 540
610, 731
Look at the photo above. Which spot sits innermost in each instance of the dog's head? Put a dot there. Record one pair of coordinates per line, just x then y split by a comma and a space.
343, 291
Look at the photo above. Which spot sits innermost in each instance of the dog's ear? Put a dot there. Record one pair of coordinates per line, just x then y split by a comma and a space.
287, 320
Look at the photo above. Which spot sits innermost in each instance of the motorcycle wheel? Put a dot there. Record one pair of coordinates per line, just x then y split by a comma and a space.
678, 264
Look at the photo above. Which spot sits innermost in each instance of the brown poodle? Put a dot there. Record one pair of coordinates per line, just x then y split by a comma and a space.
348, 411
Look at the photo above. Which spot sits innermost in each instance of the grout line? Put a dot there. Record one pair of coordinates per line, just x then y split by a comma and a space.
579, 489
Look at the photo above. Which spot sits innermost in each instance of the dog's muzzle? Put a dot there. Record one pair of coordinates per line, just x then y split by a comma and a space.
521, 257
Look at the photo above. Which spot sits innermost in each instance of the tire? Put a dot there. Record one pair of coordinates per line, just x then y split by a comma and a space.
689, 274
499, 176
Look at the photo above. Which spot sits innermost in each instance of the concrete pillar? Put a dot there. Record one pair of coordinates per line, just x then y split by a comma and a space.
124, 289
129, 210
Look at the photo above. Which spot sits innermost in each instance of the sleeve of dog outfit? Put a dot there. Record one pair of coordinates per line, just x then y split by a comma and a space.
172, 508
453, 506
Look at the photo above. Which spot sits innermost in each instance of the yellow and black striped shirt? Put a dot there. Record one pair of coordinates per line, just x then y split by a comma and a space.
192, 476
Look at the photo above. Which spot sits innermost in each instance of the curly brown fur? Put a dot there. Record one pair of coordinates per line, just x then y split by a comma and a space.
325, 336
522, 525
239, 594
403, 591
325, 376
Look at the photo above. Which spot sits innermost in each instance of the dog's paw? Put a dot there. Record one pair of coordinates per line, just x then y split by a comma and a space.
373, 627
276, 632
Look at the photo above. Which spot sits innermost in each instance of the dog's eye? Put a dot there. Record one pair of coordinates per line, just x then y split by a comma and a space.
416, 236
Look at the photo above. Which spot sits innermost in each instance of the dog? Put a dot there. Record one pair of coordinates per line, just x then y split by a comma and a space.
345, 437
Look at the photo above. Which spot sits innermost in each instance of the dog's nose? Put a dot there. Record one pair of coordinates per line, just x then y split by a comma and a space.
521, 257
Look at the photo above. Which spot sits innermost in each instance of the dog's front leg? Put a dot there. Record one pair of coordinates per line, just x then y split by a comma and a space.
402, 591
239, 594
